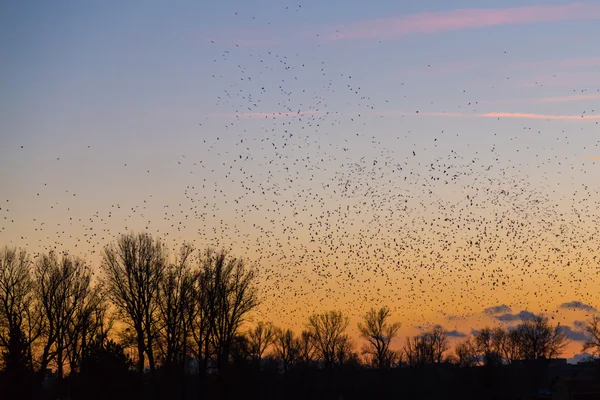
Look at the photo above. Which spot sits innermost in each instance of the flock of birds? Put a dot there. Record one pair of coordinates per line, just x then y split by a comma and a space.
346, 210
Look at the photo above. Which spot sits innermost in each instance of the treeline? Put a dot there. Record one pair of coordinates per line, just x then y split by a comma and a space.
153, 319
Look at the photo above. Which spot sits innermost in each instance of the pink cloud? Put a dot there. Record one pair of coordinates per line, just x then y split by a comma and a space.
440, 21
404, 113
591, 158
491, 115
537, 116
563, 99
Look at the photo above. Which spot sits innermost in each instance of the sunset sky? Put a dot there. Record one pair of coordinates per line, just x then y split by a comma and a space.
439, 157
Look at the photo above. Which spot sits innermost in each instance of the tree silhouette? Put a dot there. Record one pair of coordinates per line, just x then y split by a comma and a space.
20, 318
306, 347
592, 328
63, 287
286, 347
260, 338
91, 323
133, 269
327, 330
539, 339
378, 333
427, 348
176, 308
489, 345
230, 294
466, 353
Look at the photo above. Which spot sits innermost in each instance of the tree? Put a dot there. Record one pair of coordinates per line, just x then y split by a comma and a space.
202, 319
89, 326
466, 354
379, 334
104, 373
427, 348
63, 287
230, 295
133, 270
260, 338
286, 347
306, 347
176, 310
20, 319
327, 330
344, 351
538, 339
592, 328
489, 343
511, 348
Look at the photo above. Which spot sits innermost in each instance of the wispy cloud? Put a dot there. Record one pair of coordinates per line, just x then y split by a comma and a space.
403, 113
441, 21
591, 158
573, 334
564, 99
521, 316
578, 305
491, 115
501, 309
537, 116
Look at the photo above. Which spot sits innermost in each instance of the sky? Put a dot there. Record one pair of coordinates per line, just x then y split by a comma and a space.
438, 157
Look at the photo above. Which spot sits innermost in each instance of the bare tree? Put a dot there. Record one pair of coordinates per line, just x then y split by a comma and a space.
260, 338
202, 318
230, 294
489, 344
466, 353
89, 326
328, 332
176, 305
427, 348
306, 347
592, 328
133, 269
538, 339
286, 347
344, 351
511, 348
62, 288
20, 319
378, 333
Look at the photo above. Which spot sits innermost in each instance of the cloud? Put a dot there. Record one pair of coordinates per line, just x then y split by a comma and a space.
522, 315
574, 334
563, 99
537, 116
580, 357
457, 334
503, 308
404, 113
579, 324
452, 20
591, 158
578, 305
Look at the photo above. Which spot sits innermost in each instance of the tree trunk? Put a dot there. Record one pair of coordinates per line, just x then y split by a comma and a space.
141, 360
